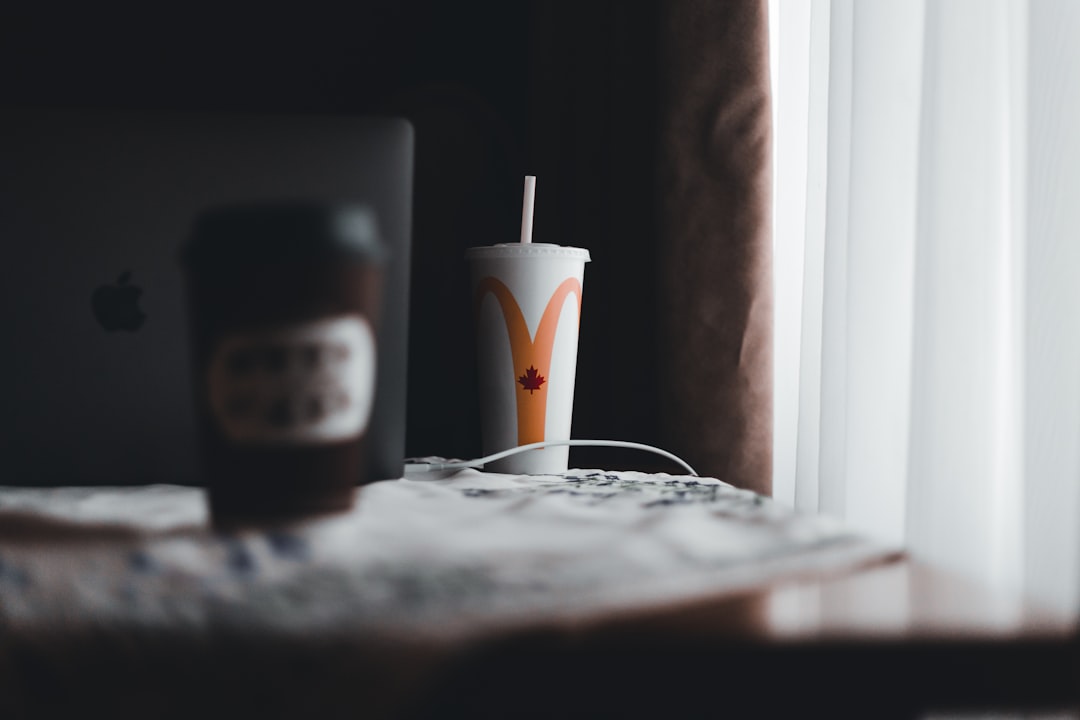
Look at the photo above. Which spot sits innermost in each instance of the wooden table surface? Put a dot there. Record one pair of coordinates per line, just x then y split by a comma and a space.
894, 640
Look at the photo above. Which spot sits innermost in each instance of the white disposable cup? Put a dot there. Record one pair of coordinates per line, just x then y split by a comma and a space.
526, 304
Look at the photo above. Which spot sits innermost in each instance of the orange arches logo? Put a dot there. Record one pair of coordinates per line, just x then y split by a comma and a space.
531, 356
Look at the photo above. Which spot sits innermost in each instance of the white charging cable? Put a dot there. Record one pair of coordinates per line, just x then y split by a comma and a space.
480, 462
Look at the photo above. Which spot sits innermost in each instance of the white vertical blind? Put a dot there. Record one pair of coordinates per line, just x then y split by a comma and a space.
1051, 333
806, 451
963, 504
928, 362
788, 55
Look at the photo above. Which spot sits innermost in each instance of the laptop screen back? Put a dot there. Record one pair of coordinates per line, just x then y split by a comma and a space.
98, 206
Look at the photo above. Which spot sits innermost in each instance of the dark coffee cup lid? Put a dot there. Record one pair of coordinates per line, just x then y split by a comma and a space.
266, 233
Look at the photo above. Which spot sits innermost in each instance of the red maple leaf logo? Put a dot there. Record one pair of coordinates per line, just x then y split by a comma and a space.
531, 380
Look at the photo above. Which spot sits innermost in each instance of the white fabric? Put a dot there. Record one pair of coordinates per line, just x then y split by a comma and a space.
928, 356
422, 557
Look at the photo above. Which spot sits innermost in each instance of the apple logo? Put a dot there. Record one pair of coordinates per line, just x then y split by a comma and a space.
116, 307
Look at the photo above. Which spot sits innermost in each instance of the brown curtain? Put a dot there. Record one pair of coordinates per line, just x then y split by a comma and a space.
651, 138
715, 200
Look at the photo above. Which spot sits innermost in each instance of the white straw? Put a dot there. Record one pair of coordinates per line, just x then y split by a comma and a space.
527, 208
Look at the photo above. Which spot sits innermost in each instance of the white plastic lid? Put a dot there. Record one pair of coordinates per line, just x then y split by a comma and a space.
506, 250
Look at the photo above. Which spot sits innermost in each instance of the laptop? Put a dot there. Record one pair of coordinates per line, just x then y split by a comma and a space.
93, 201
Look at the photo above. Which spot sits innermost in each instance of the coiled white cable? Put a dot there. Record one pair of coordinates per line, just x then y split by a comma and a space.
422, 466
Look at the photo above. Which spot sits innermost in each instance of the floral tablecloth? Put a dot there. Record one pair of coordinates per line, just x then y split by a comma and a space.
134, 577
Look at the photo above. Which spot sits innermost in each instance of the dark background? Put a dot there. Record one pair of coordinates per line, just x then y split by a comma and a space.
495, 89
